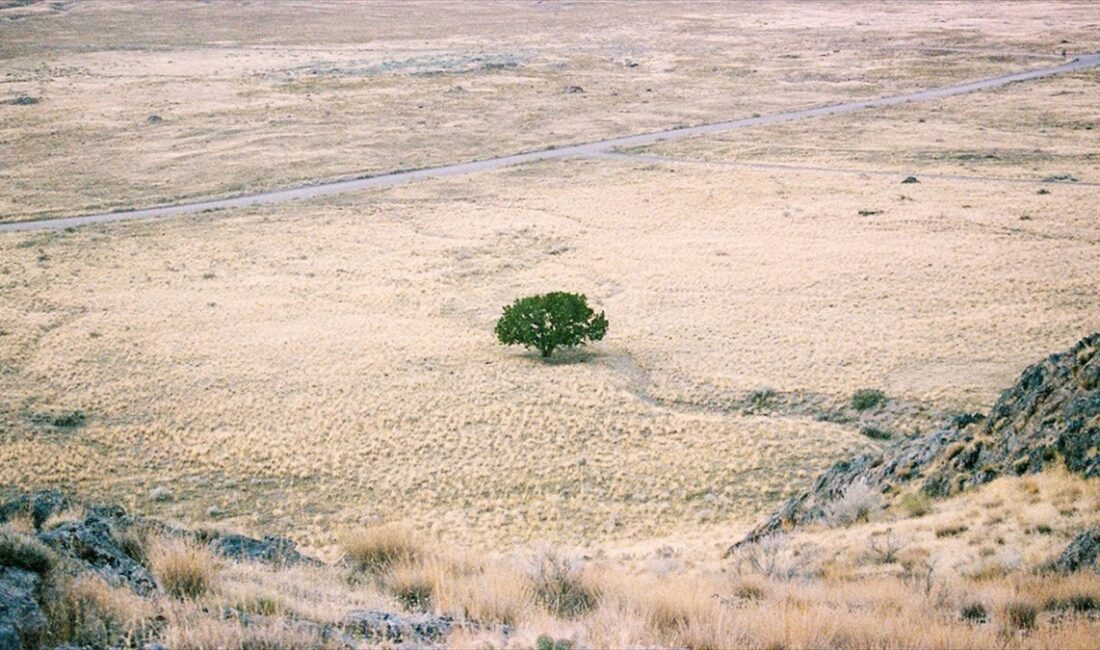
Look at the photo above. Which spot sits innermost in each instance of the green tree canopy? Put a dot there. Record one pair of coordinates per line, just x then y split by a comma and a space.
550, 321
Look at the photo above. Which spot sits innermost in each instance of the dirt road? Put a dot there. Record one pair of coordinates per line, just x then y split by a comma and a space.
590, 149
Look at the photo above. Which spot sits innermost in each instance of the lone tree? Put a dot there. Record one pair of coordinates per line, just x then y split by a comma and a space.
550, 321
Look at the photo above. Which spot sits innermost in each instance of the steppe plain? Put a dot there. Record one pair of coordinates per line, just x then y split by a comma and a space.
314, 366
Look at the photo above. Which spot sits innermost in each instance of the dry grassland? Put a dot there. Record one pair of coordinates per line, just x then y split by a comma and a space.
1030, 131
318, 365
142, 103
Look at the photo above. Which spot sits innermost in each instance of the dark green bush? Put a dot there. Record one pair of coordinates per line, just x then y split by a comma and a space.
547, 642
962, 420
550, 321
867, 398
875, 433
974, 612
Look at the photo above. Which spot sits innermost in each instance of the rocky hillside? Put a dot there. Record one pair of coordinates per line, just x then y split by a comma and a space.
48, 552
1050, 416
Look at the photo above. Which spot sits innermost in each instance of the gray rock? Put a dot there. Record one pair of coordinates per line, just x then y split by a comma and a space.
1082, 554
278, 551
92, 542
21, 619
377, 626
39, 505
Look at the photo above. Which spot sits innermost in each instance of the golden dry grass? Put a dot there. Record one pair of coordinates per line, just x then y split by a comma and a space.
1029, 131
334, 361
183, 569
840, 598
254, 96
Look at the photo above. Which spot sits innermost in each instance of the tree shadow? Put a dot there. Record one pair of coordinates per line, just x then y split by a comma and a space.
567, 357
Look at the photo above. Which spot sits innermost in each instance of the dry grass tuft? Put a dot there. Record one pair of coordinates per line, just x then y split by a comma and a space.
25, 552
379, 548
493, 594
88, 612
560, 586
183, 569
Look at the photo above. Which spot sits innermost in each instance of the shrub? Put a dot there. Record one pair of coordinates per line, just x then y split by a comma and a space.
412, 585
183, 569
547, 642
916, 504
858, 503
963, 420
558, 585
1080, 602
1020, 615
774, 556
875, 433
762, 399
25, 552
951, 531
974, 612
61, 419
884, 548
550, 321
867, 398
379, 548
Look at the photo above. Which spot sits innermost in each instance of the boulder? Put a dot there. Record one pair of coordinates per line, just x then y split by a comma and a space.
1082, 554
278, 551
92, 541
39, 505
21, 619
376, 626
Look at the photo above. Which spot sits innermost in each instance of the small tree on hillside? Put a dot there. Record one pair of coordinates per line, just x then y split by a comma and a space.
550, 321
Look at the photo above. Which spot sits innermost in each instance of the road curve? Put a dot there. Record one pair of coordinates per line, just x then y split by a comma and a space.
590, 149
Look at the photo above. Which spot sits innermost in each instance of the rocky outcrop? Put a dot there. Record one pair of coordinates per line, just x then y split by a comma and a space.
37, 505
277, 551
21, 619
1082, 554
108, 541
95, 543
376, 626
1051, 415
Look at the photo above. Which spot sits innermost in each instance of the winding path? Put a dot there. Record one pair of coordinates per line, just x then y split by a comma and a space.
586, 150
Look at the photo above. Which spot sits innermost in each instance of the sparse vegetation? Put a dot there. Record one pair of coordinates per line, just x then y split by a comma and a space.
867, 398
550, 321
762, 400
60, 419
